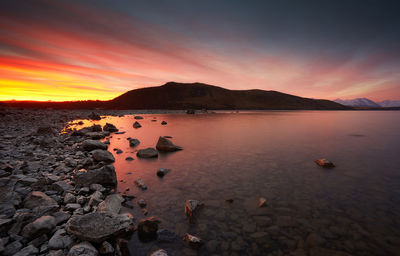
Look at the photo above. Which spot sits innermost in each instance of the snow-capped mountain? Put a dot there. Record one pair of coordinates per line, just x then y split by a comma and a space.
359, 102
389, 103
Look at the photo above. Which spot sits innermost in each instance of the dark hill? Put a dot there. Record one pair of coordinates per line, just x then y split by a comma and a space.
192, 96
197, 96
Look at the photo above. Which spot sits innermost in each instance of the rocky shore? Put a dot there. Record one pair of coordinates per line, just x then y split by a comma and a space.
57, 189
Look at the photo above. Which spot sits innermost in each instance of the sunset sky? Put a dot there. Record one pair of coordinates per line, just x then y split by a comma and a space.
78, 50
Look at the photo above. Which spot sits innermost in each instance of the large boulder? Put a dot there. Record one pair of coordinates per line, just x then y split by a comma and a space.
40, 226
166, 145
99, 226
105, 176
89, 145
110, 128
37, 198
112, 204
147, 153
103, 155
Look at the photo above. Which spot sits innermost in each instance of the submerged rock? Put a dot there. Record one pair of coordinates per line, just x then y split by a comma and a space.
99, 226
324, 163
147, 153
110, 128
190, 111
105, 176
166, 236
147, 229
193, 241
142, 203
103, 155
136, 125
166, 145
140, 184
162, 171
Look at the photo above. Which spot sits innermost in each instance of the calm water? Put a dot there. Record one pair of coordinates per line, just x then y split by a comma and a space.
353, 208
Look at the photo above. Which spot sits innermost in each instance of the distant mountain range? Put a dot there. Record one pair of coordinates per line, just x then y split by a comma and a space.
364, 102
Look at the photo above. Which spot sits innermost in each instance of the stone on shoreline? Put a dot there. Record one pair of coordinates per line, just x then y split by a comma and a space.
136, 124
37, 199
140, 184
94, 116
89, 145
147, 229
83, 249
147, 153
110, 128
105, 176
324, 163
99, 226
112, 204
40, 226
193, 241
103, 155
166, 145
60, 240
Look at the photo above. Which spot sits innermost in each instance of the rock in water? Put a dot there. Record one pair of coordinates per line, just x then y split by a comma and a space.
111, 204
191, 206
138, 117
142, 203
110, 128
133, 142
103, 155
163, 123
194, 241
94, 116
140, 184
162, 171
262, 202
324, 163
99, 226
136, 125
166, 145
89, 145
105, 176
147, 229
190, 111
147, 153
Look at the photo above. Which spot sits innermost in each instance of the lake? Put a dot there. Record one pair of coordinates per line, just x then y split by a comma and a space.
352, 209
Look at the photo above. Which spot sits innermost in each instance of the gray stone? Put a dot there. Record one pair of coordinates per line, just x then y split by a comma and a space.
105, 176
40, 226
147, 229
27, 251
89, 145
103, 155
61, 217
97, 187
95, 198
69, 198
106, 248
136, 124
133, 142
60, 240
112, 204
62, 186
37, 198
83, 249
159, 252
72, 207
12, 248
99, 226
162, 171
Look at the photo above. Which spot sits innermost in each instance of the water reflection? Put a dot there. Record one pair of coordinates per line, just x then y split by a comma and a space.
352, 209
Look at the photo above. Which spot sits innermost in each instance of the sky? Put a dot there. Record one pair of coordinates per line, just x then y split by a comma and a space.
98, 49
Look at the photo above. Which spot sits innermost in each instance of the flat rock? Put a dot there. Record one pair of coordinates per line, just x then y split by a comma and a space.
165, 145
159, 252
105, 176
37, 198
60, 240
27, 251
103, 155
89, 145
99, 226
324, 163
40, 226
147, 153
112, 204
